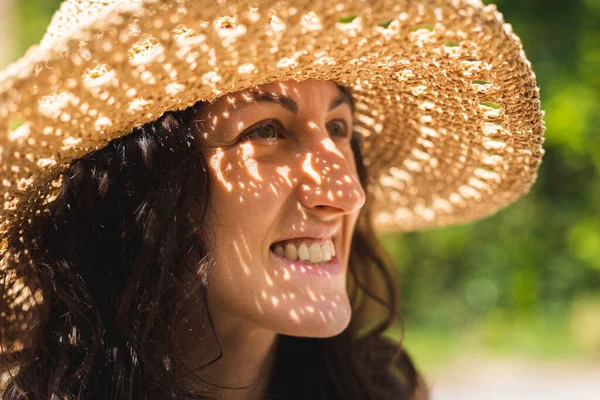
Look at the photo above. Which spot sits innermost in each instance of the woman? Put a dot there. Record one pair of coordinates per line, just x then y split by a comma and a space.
193, 217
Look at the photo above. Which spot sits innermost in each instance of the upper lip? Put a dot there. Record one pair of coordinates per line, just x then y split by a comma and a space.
312, 232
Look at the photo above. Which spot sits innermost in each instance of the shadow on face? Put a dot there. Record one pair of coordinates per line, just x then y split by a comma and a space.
285, 199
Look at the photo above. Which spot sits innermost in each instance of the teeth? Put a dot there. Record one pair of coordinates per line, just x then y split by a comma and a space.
314, 254
278, 250
326, 249
291, 252
303, 252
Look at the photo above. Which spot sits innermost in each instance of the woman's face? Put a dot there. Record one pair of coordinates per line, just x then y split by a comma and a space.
285, 197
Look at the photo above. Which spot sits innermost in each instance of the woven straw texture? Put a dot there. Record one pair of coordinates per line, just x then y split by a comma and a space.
446, 101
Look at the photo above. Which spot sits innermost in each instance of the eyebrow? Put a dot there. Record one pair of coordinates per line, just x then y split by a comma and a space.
289, 104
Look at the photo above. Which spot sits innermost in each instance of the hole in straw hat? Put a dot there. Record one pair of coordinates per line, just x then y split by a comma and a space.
490, 105
385, 24
13, 125
428, 27
347, 19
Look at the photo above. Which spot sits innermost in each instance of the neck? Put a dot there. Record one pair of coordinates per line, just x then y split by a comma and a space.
247, 359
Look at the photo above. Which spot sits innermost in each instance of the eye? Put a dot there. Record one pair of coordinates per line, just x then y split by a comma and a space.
268, 131
337, 128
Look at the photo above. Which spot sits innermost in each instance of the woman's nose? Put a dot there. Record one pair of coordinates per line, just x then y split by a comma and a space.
328, 184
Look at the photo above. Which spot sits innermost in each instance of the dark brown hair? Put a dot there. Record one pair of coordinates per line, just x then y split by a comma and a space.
109, 259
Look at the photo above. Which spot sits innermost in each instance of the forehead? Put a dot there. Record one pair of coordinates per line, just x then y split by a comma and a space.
303, 92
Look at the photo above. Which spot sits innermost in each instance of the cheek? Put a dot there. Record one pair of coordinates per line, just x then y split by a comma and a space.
244, 186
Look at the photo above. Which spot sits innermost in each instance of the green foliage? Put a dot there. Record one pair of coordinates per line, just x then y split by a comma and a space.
521, 270
32, 18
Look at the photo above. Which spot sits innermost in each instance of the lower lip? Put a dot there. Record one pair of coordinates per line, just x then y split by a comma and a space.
327, 270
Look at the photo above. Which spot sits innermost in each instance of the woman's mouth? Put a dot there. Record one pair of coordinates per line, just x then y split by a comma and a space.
307, 250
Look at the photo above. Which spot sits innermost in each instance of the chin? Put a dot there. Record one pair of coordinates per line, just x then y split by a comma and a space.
315, 326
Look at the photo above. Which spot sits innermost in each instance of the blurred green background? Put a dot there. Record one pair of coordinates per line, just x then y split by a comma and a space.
526, 281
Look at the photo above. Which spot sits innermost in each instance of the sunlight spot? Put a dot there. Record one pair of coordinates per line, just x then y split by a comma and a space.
334, 304
336, 166
274, 300
312, 125
322, 316
294, 316
339, 193
246, 68
310, 22
347, 179
286, 275
300, 208
302, 312
292, 295
241, 126
331, 147
311, 294
284, 89
284, 173
237, 250
258, 306
284, 296
248, 252
263, 294
307, 167
330, 195
249, 163
293, 267
330, 314
310, 309
268, 279
215, 162
273, 189
302, 269
276, 273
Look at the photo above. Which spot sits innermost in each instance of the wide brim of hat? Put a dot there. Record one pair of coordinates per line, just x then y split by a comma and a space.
447, 105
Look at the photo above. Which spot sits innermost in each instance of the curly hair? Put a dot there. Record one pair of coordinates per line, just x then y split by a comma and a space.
110, 260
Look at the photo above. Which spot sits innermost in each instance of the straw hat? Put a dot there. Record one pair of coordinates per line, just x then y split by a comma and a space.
446, 101
447, 105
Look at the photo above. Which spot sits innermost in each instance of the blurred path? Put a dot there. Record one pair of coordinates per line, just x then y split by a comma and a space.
516, 380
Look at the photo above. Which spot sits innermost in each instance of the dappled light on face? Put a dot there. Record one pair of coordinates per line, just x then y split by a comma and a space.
249, 163
284, 173
284, 199
309, 169
330, 146
215, 162
242, 260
